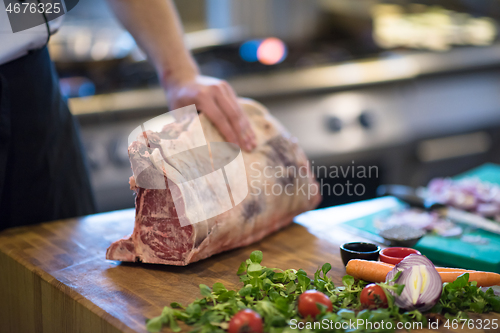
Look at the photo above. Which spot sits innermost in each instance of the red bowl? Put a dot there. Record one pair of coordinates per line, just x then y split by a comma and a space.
393, 255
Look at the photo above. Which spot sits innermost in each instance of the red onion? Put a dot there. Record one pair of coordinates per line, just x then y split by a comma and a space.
423, 285
470, 194
419, 219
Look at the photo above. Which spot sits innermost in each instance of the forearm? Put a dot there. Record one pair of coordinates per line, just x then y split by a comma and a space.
157, 30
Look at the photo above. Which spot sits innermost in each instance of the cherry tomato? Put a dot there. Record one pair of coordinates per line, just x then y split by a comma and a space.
307, 303
373, 295
246, 321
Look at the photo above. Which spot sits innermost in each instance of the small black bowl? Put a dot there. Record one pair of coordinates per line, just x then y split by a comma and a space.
402, 236
359, 250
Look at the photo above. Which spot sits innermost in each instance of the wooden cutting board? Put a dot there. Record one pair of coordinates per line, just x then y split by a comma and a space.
54, 276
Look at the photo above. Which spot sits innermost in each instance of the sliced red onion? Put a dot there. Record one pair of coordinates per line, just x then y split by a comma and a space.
419, 219
470, 194
488, 209
423, 285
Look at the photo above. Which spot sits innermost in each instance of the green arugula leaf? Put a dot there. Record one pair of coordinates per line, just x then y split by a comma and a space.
348, 280
242, 269
326, 268
245, 291
291, 287
154, 324
304, 282
256, 257
254, 269
347, 314
218, 288
460, 282
205, 290
176, 305
273, 293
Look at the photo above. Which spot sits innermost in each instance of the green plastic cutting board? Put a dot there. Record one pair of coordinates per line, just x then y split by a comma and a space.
451, 252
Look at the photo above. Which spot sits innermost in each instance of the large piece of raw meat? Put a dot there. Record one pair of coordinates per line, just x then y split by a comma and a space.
165, 233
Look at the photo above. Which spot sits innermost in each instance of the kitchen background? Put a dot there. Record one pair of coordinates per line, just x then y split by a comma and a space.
412, 87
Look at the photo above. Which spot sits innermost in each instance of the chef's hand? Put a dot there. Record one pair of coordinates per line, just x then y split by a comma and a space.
218, 101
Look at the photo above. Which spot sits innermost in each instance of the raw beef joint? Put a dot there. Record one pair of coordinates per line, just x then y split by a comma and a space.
197, 195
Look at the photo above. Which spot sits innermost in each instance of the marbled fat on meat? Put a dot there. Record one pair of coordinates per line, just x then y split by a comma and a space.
158, 236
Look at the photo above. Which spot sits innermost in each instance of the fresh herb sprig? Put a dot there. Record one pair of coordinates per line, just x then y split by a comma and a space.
462, 296
273, 293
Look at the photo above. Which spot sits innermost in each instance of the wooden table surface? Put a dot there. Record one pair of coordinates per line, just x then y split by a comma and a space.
54, 276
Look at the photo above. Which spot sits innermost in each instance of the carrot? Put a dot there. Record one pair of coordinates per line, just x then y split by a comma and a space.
372, 271
483, 279
376, 271
448, 269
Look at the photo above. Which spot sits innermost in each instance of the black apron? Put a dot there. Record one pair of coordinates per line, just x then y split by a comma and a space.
43, 173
